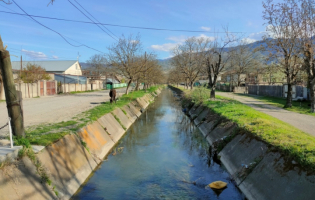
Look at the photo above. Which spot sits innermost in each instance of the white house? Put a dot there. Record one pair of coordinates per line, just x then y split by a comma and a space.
71, 67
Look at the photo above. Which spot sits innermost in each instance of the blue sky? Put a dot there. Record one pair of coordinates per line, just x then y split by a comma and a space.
25, 37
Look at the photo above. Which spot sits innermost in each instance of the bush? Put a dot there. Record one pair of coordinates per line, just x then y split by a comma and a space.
199, 95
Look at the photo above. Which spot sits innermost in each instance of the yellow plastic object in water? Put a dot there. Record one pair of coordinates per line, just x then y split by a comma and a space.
218, 185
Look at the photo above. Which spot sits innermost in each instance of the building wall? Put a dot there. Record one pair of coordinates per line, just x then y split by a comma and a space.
75, 69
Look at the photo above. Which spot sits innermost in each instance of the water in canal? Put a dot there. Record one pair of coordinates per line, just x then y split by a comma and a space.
164, 156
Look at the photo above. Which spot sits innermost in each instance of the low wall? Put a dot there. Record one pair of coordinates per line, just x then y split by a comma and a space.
31, 90
240, 90
260, 171
70, 160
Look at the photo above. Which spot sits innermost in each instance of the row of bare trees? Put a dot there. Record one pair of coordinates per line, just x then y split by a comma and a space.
127, 59
202, 56
290, 24
289, 46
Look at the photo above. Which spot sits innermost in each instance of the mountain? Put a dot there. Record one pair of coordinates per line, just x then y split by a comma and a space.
165, 63
84, 65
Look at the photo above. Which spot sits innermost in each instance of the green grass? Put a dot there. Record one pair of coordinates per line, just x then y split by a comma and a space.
118, 120
290, 140
82, 91
298, 107
47, 134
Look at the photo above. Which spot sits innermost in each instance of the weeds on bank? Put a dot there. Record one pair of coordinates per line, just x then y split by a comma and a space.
28, 151
292, 141
118, 120
124, 111
297, 106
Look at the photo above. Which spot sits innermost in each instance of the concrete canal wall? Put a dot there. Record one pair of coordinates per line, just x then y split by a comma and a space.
70, 161
260, 171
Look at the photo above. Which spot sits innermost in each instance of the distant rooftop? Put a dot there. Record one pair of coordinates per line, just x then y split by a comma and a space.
51, 65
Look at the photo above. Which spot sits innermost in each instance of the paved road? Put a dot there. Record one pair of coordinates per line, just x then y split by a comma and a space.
52, 109
303, 122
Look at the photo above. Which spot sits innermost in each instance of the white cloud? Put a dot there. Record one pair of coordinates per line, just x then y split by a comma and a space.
253, 37
164, 47
134, 41
205, 28
55, 57
178, 40
205, 37
35, 55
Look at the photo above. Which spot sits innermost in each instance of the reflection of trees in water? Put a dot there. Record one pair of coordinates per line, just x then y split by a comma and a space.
191, 138
143, 128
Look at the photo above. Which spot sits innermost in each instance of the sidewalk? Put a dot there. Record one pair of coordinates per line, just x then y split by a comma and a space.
303, 122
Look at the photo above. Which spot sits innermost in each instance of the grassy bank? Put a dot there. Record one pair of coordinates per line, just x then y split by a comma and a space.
298, 107
290, 140
78, 92
46, 134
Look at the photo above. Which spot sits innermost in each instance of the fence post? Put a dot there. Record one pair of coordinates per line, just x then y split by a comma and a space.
45, 88
56, 87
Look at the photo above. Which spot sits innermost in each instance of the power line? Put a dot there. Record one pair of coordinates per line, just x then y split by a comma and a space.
63, 37
116, 25
92, 20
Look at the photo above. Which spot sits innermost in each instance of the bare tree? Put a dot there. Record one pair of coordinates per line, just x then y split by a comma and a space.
154, 74
188, 58
243, 57
217, 58
307, 33
174, 77
126, 58
98, 67
283, 39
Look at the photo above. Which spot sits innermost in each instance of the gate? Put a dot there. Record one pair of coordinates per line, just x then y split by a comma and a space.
50, 87
293, 91
41, 88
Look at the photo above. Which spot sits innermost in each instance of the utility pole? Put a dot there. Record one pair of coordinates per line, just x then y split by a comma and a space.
20, 79
12, 98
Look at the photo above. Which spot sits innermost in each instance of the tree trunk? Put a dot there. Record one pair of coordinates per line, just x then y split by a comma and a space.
312, 94
128, 86
289, 97
238, 80
212, 93
137, 86
191, 85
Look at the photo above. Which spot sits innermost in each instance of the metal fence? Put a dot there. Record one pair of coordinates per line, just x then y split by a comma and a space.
278, 91
266, 90
225, 88
116, 85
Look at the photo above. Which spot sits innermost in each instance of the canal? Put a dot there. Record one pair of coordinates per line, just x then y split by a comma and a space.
162, 156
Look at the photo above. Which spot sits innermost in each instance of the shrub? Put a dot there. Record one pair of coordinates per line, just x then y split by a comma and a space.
199, 95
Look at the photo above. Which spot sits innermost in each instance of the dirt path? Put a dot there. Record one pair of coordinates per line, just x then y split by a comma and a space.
52, 109
303, 122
